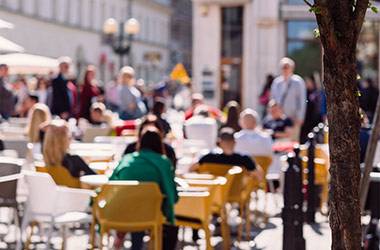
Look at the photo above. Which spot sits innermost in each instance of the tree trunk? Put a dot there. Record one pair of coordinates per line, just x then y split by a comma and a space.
339, 23
344, 124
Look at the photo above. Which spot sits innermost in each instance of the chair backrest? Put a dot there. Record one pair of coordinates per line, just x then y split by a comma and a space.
92, 132
214, 169
8, 189
236, 173
195, 205
264, 162
60, 175
19, 145
129, 202
42, 192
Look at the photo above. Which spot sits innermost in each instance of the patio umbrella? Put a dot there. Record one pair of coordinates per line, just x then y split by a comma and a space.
6, 25
7, 46
21, 63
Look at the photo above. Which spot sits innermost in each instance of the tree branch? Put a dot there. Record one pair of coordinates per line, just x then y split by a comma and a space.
360, 11
308, 3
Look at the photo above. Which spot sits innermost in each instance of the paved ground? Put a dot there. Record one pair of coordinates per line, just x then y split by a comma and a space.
268, 237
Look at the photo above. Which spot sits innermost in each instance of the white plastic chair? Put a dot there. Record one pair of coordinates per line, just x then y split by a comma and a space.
54, 205
90, 133
20, 145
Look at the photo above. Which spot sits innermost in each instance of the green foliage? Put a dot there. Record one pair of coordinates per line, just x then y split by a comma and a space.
315, 9
373, 8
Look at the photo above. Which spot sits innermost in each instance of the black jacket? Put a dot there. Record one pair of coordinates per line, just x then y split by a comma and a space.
60, 97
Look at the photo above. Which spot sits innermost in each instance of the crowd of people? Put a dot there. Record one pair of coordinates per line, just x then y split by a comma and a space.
59, 107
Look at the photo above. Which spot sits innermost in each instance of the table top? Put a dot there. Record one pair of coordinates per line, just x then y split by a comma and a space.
97, 180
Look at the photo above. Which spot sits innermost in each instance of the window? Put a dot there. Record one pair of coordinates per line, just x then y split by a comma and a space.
303, 47
232, 32
295, 2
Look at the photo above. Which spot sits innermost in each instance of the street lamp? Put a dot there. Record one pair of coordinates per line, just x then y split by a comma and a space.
120, 35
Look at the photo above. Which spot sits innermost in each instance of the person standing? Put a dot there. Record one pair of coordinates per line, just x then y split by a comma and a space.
89, 91
313, 108
289, 91
7, 99
61, 105
131, 104
264, 97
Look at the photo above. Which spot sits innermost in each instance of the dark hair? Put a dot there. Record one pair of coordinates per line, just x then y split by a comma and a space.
158, 106
233, 112
151, 139
150, 120
268, 83
33, 97
226, 134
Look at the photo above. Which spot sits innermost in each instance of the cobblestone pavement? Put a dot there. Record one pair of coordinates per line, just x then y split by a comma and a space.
268, 237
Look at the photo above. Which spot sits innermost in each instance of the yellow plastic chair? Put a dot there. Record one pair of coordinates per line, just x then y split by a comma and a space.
129, 206
232, 187
194, 210
321, 168
239, 191
250, 184
60, 175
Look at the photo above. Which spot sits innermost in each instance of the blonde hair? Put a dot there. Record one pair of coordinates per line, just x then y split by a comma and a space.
38, 115
56, 143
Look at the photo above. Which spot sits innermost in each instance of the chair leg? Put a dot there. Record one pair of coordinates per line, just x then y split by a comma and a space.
18, 228
158, 235
29, 237
207, 236
240, 228
225, 230
101, 239
247, 222
64, 237
92, 233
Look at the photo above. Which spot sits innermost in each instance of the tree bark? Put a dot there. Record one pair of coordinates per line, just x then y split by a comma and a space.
344, 125
339, 23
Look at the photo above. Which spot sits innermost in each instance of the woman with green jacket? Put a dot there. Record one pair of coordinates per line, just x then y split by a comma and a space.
149, 164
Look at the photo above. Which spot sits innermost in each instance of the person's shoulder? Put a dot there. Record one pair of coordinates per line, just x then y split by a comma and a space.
288, 121
239, 134
298, 79
168, 147
277, 80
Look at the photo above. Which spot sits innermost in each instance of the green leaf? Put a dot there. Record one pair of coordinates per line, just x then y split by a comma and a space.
315, 9
374, 9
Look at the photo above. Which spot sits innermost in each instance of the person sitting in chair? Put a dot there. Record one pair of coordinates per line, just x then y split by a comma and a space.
227, 156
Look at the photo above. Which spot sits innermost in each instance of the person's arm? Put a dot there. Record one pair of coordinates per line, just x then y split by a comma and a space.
254, 170
82, 166
285, 134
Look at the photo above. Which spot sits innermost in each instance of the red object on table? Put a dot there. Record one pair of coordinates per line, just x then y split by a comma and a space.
284, 146
128, 125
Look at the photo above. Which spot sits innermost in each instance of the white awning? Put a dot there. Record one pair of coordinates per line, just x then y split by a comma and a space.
7, 46
21, 63
6, 25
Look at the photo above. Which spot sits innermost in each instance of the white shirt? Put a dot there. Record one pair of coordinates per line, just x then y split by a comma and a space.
253, 143
202, 128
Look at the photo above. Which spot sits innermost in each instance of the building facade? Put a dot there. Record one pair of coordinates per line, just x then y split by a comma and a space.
237, 43
181, 33
74, 28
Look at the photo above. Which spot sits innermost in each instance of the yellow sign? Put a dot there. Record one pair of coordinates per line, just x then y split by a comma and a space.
179, 73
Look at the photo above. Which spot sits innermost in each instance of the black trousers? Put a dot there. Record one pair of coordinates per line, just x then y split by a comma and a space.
169, 238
